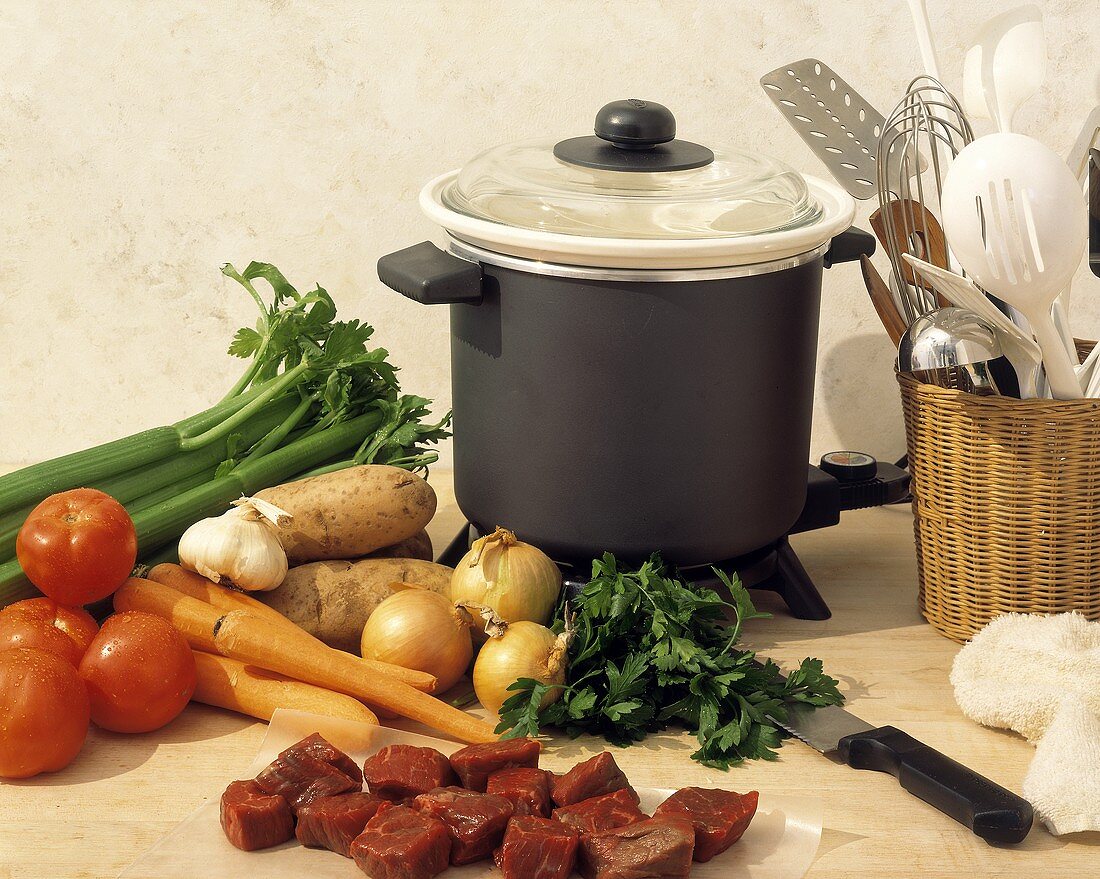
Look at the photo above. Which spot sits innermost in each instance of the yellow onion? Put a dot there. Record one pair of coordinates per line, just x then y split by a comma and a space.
513, 579
421, 630
520, 650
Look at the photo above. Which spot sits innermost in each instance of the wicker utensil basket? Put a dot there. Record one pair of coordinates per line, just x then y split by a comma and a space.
1006, 505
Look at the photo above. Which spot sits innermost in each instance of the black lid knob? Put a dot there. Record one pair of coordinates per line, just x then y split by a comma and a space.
634, 135
635, 124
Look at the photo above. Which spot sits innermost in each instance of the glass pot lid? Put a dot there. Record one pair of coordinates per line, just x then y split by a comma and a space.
633, 179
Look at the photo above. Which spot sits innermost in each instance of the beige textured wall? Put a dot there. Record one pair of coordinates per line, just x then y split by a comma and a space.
142, 144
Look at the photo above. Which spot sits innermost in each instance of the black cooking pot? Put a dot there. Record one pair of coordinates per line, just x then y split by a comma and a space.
647, 389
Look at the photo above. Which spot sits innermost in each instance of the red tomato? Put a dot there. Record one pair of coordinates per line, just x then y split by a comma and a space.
139, 671
43, 712
43, 623
78, 546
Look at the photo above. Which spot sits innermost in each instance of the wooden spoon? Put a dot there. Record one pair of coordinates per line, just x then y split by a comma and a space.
879, 291
916, 231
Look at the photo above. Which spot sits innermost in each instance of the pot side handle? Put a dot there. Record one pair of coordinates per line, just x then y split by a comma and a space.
431, 276
849, 245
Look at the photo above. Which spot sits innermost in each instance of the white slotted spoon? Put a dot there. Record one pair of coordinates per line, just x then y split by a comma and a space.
1005, 67
1017, 222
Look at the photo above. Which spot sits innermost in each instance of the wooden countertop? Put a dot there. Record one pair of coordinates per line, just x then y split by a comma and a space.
123, 792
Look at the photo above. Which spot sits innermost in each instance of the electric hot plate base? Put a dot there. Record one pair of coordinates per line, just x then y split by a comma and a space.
844, 481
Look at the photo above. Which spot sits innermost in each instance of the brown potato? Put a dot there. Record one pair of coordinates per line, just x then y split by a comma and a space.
419, 546
332, 599
350, 513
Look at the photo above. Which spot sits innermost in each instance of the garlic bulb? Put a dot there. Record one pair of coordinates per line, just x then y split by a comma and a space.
240, 548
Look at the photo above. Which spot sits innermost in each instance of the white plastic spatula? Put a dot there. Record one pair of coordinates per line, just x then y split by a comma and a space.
1017, 223
1005, 66
1078, 156
919, 11
1019, 348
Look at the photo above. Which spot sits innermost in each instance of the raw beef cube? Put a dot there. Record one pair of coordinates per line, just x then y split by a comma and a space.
476, 821
536, 848
254, 819
475, 763
301, 778
616, 809
527, 788
401, 843
592, 778
318, 746
333, 822
720, 817
397, 772
657, 848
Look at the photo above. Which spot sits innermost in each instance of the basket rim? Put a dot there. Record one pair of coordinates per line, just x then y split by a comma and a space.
912, 384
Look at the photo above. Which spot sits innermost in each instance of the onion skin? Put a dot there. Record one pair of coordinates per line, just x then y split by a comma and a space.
524, 650
515, 580
420, 630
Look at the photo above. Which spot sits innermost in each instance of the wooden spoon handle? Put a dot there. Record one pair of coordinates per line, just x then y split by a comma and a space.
879, 291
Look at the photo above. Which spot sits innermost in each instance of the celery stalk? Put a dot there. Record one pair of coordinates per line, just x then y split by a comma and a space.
162, 523
25, 488
197, 466
312, 394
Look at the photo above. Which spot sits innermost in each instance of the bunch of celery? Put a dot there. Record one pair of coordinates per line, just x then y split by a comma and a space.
313, 399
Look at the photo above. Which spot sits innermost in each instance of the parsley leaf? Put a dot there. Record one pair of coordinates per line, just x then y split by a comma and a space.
650, 649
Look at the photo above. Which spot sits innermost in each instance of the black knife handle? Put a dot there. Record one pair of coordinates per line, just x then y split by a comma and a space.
992, 812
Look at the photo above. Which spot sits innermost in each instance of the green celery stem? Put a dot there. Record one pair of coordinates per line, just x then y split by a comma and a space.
190, 468
163, 524
217, 413
329, 468
10, 523
167, 555
224, 428
26, 487
275, 437
246, 378
32, 484
305, 453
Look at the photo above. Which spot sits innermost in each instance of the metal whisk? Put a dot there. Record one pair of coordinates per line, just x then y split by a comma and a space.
925, 131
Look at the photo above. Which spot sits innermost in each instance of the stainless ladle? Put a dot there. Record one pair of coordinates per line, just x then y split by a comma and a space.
952, 337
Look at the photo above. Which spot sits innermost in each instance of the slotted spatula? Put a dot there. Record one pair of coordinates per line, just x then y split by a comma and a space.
840, 127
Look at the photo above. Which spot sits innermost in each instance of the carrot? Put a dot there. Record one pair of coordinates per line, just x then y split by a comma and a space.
227, 683
197, 619
257, 642
198, 587
225, 600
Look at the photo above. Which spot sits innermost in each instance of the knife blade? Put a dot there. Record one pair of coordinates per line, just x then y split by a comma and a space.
989, 810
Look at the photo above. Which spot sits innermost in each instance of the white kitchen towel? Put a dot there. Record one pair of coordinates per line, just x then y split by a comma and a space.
1040, 676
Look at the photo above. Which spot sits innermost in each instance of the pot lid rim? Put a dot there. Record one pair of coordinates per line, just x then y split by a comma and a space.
465, 250
838, 212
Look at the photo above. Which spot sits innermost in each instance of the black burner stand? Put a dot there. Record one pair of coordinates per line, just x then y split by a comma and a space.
774, 568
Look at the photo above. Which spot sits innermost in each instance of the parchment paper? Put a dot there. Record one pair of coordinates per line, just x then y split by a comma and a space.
780, 843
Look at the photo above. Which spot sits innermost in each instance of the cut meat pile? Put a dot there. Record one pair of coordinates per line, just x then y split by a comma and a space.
415, 818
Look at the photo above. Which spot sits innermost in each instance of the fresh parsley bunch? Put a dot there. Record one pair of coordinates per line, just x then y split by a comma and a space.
649, 649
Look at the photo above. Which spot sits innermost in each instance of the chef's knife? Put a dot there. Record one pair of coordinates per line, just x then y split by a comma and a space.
992, 812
